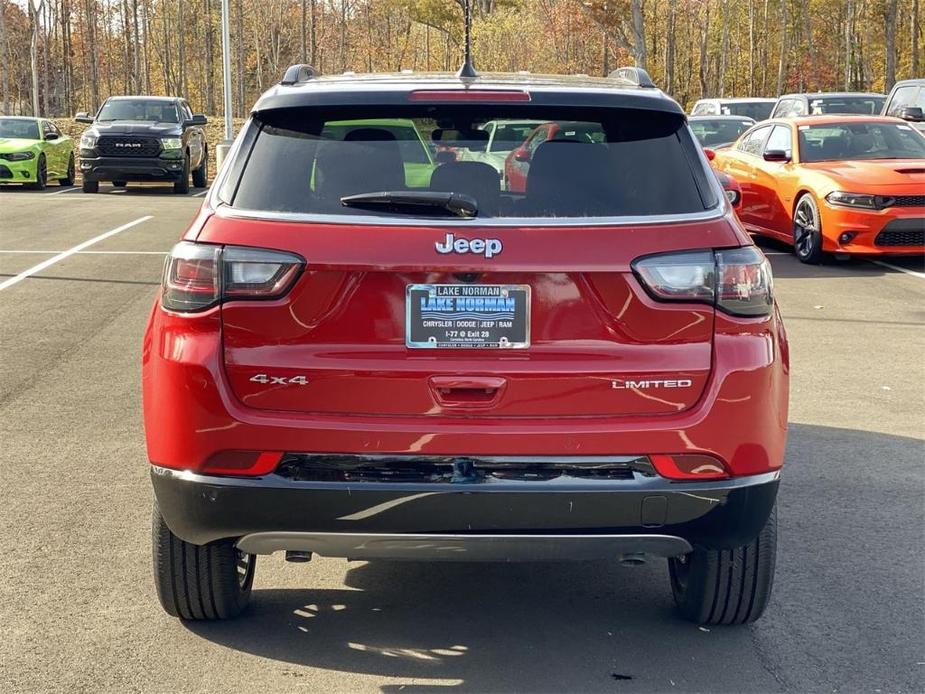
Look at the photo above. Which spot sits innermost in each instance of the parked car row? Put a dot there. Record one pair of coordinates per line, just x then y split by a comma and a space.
131, 138
829, 173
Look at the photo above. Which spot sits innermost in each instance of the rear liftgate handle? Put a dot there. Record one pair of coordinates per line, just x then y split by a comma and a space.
467, 391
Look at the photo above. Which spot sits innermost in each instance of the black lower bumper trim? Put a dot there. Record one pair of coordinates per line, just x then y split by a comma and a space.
723, 513
131, 169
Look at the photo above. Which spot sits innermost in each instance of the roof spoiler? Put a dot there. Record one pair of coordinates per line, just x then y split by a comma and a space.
634, 76
296, 74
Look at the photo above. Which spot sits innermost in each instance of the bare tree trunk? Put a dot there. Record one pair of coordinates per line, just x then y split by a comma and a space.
784, 35
4, 69
314, 41
181, 50
915, 37
239, 48
704, 39
849, 18
343, 35
136, 72
724, 50
45, 91
889, 15
34, 52
751, 48
147, 43
639, 34
302, 30
210, 59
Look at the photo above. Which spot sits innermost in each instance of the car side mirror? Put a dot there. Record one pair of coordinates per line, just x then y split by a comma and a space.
522, 154
776, 155
711, 155
83, 117
51, 136
913, 114
197, 119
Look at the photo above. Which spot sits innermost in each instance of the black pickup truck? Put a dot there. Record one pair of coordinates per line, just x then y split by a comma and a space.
144, 138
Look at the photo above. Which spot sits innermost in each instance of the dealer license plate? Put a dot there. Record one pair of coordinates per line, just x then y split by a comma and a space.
494, 316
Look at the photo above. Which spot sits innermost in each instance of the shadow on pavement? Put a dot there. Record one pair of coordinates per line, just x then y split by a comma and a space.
847, 608
787, 266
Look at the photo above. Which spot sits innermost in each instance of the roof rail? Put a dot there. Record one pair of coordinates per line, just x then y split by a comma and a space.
296, 74
634, 75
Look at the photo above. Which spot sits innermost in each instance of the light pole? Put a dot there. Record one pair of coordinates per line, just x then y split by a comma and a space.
222, 150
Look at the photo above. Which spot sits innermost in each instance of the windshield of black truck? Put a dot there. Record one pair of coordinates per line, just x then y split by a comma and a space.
569, 163
151, 110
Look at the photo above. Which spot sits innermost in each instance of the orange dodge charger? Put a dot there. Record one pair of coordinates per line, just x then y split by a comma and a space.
827, 184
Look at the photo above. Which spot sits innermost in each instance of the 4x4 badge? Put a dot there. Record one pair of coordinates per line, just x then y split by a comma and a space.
486, 247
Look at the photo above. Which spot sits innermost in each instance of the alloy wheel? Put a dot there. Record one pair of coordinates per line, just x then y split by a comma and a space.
805, 228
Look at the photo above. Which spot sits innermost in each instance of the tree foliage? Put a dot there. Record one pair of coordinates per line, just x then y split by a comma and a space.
86, 50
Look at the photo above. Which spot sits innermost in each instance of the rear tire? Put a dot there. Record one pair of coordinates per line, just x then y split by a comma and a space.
118, 184
182, 185
729, 586
68, 180
201, 175
199, 582
91, 186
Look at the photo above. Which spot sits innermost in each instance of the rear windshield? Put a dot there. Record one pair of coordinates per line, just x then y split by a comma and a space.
422, 160
719, 131
756, 110
864, 105
859, 141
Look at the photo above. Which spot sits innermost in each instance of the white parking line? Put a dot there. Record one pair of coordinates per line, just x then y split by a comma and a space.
71, 251
199, 195
914, 273
63, 190
87, 252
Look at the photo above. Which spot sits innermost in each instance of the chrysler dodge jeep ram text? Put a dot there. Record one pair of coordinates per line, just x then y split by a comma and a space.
350, 359
144, 138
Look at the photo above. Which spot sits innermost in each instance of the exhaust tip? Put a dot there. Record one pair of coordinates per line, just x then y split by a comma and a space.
297, 556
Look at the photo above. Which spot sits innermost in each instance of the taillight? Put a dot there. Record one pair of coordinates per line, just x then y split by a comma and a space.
256, 273
744, 283
689, 466
197, 276
737, 280
192, 277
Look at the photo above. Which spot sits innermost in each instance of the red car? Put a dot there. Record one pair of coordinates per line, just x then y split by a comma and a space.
347, 361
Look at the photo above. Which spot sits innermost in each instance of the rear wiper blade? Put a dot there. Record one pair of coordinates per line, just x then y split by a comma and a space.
455, 203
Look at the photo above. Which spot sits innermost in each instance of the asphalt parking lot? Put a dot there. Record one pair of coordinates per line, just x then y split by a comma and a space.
77, 604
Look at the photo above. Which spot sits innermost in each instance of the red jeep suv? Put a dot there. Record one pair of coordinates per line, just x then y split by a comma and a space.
353, 359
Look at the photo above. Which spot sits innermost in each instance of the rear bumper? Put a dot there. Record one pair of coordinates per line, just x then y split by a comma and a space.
131, 169
567, 517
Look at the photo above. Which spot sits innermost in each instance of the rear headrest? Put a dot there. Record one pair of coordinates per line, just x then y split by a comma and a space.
476, 179
833, 147
367, 160
572, 178
862, 143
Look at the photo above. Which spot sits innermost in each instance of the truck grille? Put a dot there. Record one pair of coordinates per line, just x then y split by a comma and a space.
113, 146
902, 232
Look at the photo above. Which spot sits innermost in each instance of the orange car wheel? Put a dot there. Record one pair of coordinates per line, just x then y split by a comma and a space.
807, 230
